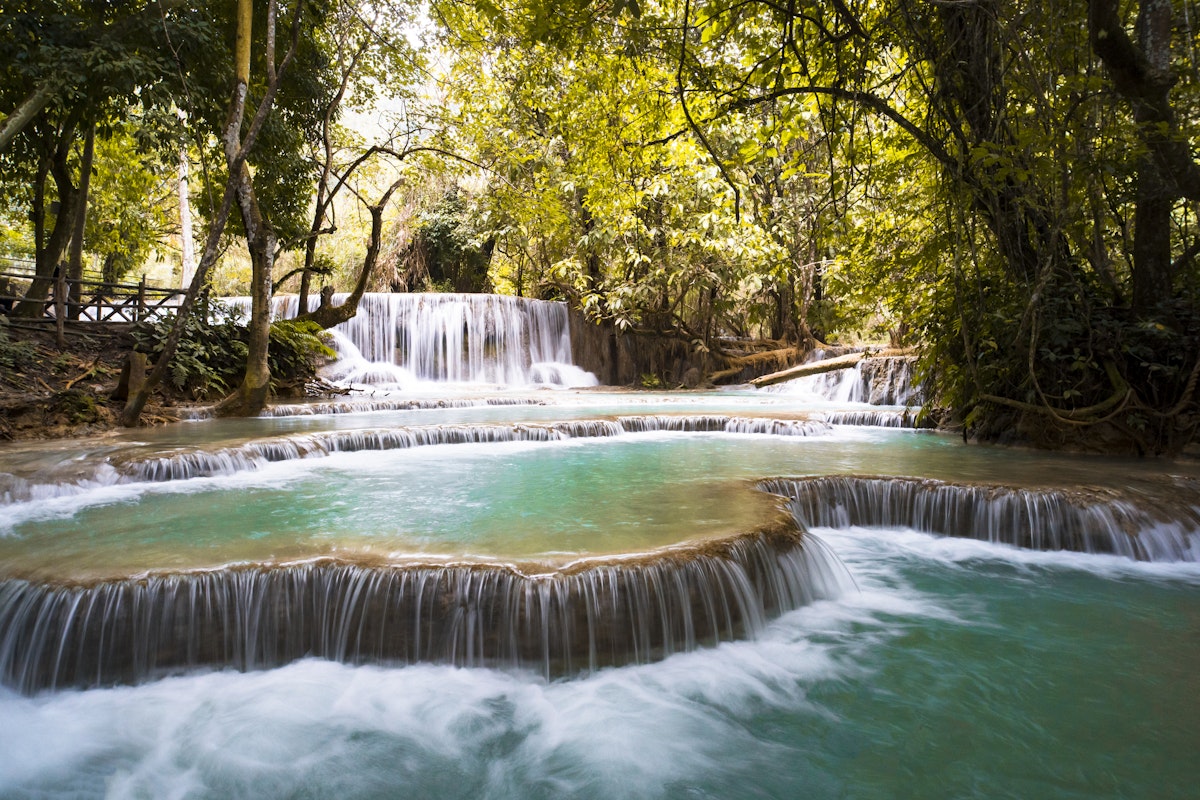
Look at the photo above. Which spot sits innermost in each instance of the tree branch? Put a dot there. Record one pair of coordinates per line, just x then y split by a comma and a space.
1147, 87
870, 101
687, 7
25, 113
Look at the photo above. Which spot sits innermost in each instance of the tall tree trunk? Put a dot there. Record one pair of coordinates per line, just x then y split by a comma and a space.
186, 244
1151, 275
48, 256
75, 260
1142, 75
1152, 214
251, 396
234, 186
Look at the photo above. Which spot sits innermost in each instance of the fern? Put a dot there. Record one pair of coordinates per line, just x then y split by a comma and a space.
211, 355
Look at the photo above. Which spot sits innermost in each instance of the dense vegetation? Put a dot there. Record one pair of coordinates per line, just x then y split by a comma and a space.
211, 355
1011, 188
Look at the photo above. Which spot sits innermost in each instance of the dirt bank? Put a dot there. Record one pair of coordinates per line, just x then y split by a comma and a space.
48, 393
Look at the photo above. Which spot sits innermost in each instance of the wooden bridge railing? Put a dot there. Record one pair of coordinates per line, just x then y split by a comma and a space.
90, 301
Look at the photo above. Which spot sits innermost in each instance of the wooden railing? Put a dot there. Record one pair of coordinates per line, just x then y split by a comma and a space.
88, 301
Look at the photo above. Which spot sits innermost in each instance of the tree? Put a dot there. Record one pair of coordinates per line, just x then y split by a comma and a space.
130, 204
591, 192
68, 70
1142, 74
1044, 256
239, 190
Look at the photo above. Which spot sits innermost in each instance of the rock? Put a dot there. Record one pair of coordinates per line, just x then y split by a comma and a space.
133, 375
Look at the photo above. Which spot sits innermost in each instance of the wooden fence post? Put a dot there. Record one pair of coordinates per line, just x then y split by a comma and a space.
60, 307
141, 306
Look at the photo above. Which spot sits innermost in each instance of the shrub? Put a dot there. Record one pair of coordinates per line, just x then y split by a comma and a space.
14, 355
298, 348
211, 357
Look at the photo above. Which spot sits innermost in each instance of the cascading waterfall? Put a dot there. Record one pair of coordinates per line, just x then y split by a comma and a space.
225, 461
558, 621
388, 404
879, 418
208, 461
888, 381
399, 339
879, 380
1085, 519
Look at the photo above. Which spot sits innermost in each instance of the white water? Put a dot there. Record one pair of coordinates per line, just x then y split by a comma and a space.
877, 381
402, 341
817, 706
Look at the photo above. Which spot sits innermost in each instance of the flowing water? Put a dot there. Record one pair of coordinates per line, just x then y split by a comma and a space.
905, 616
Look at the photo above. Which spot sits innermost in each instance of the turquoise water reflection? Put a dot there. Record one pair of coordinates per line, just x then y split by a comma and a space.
958, 668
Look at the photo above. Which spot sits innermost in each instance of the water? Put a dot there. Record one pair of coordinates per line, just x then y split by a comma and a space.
942, 663
403, 341
958, 669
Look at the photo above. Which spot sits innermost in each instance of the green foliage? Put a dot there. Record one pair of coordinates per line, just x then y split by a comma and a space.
130, 204
955, 175
210, 357
446, 243
14, 355
298, 348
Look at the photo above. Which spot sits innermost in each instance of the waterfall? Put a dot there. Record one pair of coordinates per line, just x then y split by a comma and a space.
1086, 519
580, 617
402, 339
185, 463
879, 418
879, 380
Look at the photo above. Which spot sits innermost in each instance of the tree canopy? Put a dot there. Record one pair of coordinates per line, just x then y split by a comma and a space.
1012, 189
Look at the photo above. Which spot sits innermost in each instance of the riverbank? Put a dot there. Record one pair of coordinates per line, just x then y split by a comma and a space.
47, 392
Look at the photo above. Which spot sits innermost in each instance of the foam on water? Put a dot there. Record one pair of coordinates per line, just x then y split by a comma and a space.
863, 545
405, 341
424, 731
788, 714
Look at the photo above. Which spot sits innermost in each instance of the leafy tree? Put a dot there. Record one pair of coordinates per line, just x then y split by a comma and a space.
68, 68
592, 193
130, 206
443, 255
1045, 253
239, 189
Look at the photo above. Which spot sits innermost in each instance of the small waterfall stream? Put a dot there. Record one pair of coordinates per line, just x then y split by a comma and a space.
885, 387
1084, 519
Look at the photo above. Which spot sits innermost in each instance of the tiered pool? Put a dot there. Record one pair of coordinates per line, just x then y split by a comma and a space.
522, 592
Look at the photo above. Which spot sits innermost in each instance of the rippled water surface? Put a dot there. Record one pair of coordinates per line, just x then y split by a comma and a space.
954, 669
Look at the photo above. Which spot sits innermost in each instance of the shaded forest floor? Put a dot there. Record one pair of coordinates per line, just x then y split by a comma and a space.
49, 393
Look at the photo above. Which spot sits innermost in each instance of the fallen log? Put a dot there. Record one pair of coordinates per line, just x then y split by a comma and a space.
815, 368
738, 363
